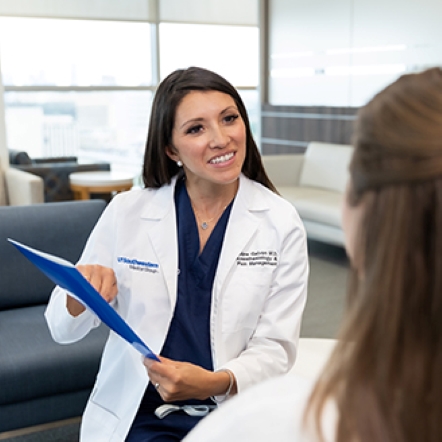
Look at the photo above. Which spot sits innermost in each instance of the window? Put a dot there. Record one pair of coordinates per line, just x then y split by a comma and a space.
95, 125
85, 87
77, 87
231, 51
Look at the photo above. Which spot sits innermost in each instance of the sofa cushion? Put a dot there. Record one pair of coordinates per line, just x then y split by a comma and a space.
326, 166
58, 228
33, 365
322, 206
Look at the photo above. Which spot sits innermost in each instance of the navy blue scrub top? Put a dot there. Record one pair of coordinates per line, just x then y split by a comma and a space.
188, 338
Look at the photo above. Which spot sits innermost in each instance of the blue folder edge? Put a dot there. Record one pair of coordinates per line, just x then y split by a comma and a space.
64, 274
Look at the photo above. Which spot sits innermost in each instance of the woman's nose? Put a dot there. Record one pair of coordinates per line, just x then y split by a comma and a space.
219, 138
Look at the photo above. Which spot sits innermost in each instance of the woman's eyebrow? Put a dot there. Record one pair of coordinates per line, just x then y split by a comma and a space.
231, 107
198, 119
192, 120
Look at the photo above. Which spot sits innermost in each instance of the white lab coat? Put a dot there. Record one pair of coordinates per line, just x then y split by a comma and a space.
258, 295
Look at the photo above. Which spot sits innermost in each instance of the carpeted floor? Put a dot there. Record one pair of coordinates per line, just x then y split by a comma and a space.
67, 431
326, 292
323, 313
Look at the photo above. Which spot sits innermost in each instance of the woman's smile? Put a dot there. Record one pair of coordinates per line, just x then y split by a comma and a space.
222, 159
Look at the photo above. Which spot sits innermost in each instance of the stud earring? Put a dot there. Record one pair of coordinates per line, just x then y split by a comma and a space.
179, 163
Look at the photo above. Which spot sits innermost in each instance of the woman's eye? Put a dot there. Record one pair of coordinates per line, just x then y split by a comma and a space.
231, 118
194, 129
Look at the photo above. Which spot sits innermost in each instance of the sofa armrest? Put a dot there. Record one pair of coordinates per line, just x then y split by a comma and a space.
283, 170
23, 188
50, 160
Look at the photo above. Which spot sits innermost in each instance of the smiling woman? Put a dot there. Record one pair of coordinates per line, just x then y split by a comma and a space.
224, 304
208, 119
209, 139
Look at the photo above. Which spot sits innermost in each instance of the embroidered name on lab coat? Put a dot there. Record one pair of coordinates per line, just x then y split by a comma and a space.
258, 258
141, 266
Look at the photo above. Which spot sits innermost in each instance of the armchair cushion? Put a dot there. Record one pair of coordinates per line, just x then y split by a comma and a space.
314, 183
48, 368
23, 188
319, 205
284, 170
42, 381
326, 166
18, 188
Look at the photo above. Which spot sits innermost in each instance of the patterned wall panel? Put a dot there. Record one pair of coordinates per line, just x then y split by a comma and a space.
288, 129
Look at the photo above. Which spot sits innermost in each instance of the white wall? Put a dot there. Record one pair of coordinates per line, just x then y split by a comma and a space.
340, 53
4, 157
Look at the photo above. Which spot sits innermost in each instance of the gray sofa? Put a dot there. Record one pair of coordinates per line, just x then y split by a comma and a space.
41, 381
314, 182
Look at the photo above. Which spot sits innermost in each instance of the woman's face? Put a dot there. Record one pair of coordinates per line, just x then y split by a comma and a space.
351, 222
209, 138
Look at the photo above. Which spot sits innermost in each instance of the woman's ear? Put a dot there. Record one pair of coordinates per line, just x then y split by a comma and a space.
171, 153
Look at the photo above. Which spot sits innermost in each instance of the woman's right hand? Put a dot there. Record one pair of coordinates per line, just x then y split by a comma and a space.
102, 278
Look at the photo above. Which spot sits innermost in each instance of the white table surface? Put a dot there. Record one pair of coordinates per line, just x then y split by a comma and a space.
313, 353
101, 178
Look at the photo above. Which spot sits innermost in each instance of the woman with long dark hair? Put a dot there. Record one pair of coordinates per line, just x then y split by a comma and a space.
207, 264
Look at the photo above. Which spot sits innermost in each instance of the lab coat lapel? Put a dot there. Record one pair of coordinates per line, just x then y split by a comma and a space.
242, 226
161, 221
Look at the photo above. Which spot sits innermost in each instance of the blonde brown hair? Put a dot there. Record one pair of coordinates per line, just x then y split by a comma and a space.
385, 374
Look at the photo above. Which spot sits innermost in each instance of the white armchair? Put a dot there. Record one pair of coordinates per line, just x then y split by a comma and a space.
18, 188
314, 182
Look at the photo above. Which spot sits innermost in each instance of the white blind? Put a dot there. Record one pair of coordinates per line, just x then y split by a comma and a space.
136, 10
226, 12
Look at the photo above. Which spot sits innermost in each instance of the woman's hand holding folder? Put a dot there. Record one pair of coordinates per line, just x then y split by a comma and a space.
103, 280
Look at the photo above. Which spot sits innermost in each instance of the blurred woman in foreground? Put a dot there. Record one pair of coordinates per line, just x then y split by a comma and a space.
383, 381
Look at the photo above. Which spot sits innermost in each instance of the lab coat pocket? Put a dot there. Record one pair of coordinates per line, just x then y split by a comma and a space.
98, 423
244, 299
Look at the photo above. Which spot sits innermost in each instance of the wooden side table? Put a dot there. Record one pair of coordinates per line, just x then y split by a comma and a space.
83, 184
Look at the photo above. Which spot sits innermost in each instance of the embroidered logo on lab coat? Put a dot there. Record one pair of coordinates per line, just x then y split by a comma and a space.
141, 266
257, 258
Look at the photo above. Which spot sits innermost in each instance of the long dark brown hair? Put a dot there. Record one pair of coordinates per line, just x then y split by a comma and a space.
385, 374
158, 168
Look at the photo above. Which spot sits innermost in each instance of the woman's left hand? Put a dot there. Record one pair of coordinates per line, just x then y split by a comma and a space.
178, 381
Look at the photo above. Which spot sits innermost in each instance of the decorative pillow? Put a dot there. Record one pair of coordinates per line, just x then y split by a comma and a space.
326, 166
19, 157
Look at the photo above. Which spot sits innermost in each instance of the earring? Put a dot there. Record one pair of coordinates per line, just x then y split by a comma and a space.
179, 163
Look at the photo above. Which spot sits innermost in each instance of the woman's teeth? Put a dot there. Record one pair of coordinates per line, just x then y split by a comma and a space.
222, 158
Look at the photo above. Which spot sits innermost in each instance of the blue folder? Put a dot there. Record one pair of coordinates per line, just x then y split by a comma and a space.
64, 274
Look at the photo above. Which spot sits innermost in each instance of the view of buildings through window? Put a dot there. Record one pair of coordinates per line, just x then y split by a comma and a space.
84, 88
